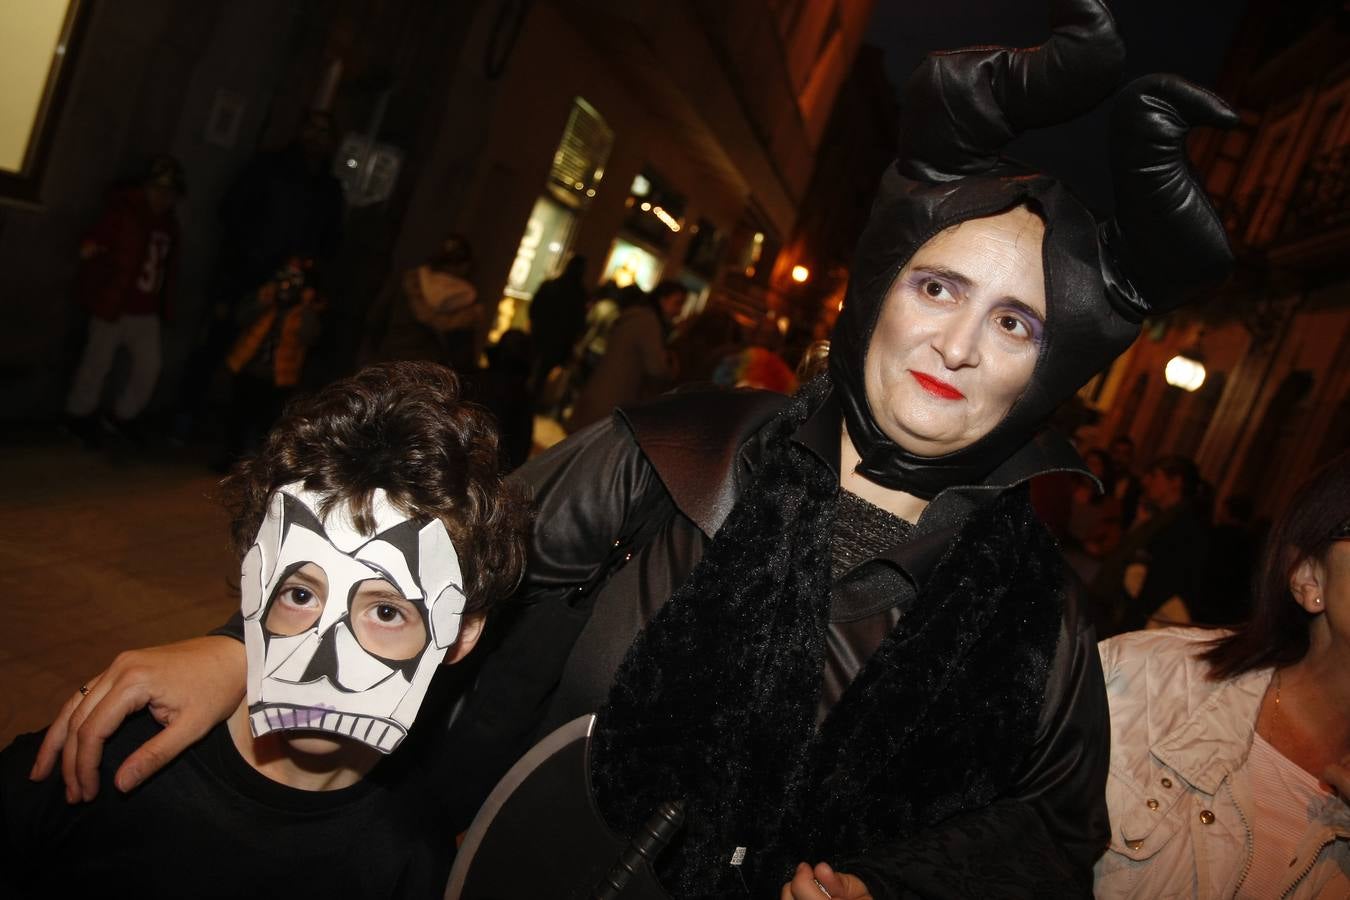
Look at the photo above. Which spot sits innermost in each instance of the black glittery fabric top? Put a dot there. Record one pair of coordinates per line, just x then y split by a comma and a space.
861, 532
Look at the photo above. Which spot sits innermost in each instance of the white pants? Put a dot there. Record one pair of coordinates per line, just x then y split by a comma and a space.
140, 335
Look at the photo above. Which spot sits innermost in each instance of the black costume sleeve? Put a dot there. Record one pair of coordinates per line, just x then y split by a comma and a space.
587, 492
1042, 838
30, 815
38, 826
232, 628
590, 494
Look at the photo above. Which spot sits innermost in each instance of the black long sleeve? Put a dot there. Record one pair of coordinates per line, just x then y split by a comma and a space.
592, 495
1040, 839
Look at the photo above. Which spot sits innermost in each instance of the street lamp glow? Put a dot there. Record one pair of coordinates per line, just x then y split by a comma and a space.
1185, 373
666, 218
800, 274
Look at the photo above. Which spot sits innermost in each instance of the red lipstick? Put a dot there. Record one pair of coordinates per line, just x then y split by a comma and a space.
937, 388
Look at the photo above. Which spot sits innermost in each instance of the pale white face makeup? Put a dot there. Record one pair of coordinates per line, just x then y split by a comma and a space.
959, 333
344, 629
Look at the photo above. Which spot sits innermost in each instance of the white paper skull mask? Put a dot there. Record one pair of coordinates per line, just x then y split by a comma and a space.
344, 629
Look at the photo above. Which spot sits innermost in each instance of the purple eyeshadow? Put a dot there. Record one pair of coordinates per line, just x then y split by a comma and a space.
1034, 323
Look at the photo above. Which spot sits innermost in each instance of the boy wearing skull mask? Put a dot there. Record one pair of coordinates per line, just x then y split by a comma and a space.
374, 533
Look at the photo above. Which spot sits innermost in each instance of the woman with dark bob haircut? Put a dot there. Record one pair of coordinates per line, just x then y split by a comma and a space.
1230, 756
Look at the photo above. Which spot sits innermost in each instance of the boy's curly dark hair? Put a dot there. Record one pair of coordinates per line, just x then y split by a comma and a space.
402, 427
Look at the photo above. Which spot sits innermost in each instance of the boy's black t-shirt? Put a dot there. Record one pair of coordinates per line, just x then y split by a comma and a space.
209, 825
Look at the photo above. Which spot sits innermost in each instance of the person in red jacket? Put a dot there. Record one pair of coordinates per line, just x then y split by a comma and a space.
125, 279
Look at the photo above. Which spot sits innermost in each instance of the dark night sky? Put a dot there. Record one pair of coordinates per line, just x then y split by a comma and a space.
1188, 37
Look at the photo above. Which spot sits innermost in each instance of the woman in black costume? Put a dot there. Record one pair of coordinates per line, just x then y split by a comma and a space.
831, 624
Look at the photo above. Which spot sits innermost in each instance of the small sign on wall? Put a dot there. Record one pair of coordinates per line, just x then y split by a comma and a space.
368, 170
227, 115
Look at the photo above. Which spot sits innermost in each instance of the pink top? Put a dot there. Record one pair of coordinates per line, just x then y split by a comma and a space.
1287, 800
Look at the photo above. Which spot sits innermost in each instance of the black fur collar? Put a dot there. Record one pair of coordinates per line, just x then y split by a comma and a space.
714, 703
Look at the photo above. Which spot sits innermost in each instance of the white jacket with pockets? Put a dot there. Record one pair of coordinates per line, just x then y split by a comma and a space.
1179, 790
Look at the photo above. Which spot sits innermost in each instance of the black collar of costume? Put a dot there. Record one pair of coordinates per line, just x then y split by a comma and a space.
715, 701
705, 459
1047, 451
699, 456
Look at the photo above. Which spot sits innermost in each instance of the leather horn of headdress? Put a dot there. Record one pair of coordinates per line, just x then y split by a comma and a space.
959, 110
963, 106
1165, 240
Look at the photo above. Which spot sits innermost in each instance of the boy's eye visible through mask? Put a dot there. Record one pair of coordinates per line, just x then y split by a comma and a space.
386, 623
297, 602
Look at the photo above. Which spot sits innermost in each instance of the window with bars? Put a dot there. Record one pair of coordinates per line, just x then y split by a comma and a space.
579, 161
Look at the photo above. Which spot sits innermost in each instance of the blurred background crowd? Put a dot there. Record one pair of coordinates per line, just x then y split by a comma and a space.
208, 208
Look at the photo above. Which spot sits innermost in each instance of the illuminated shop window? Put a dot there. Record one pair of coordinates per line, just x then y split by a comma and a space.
630, 264
578, 166
655, 210
579, 161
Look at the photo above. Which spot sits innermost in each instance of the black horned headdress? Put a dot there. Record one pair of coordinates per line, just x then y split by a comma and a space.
959, 110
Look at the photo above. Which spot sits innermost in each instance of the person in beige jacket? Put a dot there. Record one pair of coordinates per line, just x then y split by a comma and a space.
1230, 751
636, 365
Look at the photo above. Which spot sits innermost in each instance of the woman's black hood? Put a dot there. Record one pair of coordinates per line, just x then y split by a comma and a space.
959, 109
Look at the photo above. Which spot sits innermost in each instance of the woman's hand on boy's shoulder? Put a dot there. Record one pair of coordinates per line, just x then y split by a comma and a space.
188, 687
